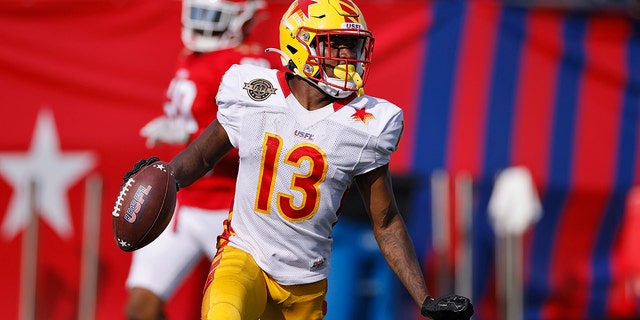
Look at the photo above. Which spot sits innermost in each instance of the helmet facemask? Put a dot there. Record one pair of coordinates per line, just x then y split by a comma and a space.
338, 60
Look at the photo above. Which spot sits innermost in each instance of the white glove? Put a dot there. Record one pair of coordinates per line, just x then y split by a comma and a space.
167, 130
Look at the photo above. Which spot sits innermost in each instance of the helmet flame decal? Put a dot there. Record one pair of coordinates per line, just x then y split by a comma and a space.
302, 6
348, 9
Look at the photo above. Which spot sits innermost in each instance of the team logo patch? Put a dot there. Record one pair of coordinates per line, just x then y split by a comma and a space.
259, 89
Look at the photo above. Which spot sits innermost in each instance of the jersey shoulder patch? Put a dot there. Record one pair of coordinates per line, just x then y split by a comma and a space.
250, 82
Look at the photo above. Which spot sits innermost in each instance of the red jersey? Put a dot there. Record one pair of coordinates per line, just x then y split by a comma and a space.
192, 96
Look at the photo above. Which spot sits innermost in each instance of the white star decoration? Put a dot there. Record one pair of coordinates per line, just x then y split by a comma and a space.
123, 243
52, 170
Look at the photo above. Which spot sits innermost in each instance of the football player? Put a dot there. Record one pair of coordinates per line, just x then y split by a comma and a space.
214, 35
303, 136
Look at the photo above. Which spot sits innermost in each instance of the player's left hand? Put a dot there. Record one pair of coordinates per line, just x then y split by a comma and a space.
453, 307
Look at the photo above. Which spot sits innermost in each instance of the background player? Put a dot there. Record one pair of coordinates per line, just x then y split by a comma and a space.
214, 34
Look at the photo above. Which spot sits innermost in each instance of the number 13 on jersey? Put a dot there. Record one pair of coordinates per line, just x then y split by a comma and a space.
308, 183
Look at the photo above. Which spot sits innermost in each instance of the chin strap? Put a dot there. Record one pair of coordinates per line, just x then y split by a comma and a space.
350, 74
268, 50
285, 57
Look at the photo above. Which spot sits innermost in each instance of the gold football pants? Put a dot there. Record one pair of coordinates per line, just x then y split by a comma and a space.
237, 289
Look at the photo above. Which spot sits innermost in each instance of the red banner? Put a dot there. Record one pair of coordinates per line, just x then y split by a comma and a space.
78, 80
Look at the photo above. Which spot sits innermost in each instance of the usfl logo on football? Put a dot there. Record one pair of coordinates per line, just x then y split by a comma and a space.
136, 204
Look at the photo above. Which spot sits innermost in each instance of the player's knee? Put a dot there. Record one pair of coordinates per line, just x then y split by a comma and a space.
221, 311
144, 305
136, 312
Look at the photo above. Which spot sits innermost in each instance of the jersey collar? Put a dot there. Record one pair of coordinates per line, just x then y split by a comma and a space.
286, 91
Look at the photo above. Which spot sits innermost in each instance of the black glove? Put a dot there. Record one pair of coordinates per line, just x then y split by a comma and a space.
138, 166
451, 307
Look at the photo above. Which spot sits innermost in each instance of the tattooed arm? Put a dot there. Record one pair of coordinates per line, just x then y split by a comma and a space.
201, 155
390, 231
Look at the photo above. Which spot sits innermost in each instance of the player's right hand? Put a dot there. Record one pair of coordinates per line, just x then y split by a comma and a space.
137, 167
167, 130
453, 307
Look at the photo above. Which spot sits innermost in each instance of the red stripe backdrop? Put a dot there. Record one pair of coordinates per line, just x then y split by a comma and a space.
470, 96
536, 93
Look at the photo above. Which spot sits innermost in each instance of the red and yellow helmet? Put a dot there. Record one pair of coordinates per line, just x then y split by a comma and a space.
307, 29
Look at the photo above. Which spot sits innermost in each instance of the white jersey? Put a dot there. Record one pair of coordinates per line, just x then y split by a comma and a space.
295, 166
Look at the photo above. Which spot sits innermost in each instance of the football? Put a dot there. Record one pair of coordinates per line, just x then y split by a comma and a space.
144, 206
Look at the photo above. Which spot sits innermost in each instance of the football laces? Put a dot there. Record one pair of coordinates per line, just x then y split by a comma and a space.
123, 192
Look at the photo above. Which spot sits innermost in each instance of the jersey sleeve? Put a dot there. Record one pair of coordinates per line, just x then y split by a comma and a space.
230, 110
383, 145
390, 136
